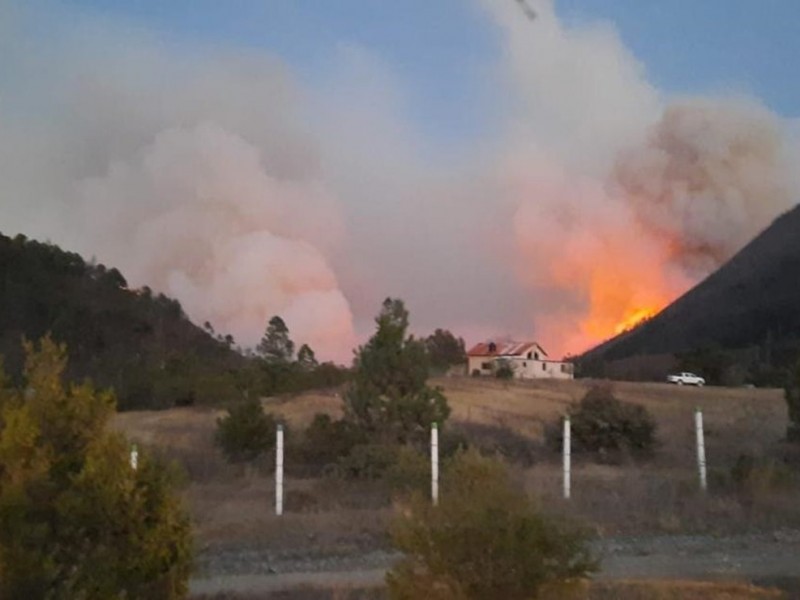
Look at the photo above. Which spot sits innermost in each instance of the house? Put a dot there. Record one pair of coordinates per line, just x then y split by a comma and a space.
528, 360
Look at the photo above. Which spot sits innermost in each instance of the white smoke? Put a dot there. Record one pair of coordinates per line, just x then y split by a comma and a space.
214, 175
624, 198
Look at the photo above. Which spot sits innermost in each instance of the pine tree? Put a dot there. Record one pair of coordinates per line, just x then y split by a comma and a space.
389, 395
306, 358
276, 347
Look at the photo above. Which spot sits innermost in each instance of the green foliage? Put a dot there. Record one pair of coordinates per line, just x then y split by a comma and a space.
485, 540
606, 427
388, 396
368, 461
327, 441
276, 347
504, 369
246, 432
76, 521
792, 395
306, 359
754, 475
716, 365
409, 472
140, 344
445, 350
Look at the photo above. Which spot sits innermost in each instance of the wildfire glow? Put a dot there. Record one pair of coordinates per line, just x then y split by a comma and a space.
634, 318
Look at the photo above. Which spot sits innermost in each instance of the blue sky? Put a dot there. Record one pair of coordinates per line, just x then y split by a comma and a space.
441, 50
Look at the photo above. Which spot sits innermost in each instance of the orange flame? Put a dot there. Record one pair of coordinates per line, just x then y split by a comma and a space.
634, 318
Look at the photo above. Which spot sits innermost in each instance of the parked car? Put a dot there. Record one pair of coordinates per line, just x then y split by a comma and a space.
686, 378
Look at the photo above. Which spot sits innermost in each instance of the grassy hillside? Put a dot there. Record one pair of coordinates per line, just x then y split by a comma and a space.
753, 301
139, 343
659, 495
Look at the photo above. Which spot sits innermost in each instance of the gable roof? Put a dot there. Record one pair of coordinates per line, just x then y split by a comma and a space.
509, 349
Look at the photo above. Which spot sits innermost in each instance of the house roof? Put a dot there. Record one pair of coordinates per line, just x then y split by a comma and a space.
505, 349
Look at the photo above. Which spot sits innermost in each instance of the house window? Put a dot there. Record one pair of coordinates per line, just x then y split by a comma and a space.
524, 364
530, 355
544, 366
536, 356
487, 366
563, 368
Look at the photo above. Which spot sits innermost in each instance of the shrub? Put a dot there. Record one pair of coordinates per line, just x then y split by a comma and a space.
326, 441
410, 471
76, 521
485, 540
751, 475
496, 439
606, 427
368, 461
246, 432
504, 370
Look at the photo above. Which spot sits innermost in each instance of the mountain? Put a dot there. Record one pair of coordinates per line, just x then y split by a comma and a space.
751, 302
138, 343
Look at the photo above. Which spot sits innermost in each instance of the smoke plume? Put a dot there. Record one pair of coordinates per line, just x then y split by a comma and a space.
217, 176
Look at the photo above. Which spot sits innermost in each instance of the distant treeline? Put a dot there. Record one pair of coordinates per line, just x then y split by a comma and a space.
142, 345
136, 342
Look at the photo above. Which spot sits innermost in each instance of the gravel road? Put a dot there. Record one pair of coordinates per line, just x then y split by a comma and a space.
767, 557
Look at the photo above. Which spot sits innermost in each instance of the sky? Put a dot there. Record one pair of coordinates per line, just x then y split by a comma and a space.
442, 49
558, 178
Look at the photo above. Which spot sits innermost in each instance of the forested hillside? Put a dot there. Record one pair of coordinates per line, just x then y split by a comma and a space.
139, 343
752, 302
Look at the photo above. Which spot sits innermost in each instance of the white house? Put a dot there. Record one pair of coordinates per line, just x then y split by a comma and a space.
528, 360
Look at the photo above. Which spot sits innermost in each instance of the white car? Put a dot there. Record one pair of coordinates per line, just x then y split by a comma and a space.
686, 379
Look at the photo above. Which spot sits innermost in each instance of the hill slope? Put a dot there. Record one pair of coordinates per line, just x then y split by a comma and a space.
752, 300
140, 344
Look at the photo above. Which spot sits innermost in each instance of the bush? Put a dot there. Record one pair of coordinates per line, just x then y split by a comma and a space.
410, 472
504, 370
76, 521
485, 540
494, 439
368, 461
326, 441
246, 432
751, 475
606, 427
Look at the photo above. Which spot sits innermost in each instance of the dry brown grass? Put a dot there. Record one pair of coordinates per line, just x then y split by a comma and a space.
234, 503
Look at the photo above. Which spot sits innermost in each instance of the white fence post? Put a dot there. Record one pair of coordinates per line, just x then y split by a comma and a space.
134, 457
701, 449
435, 464
567, 458
279, 471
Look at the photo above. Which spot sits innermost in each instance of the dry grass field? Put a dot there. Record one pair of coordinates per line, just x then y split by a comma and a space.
328, 517
231, 502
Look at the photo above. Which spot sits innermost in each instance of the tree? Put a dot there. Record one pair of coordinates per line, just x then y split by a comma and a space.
792, 395
276, 347
246, 432
306, 358
485, 540
389, 396
76, 520
445, 350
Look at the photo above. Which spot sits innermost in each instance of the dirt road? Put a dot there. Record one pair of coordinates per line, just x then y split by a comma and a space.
764, 557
